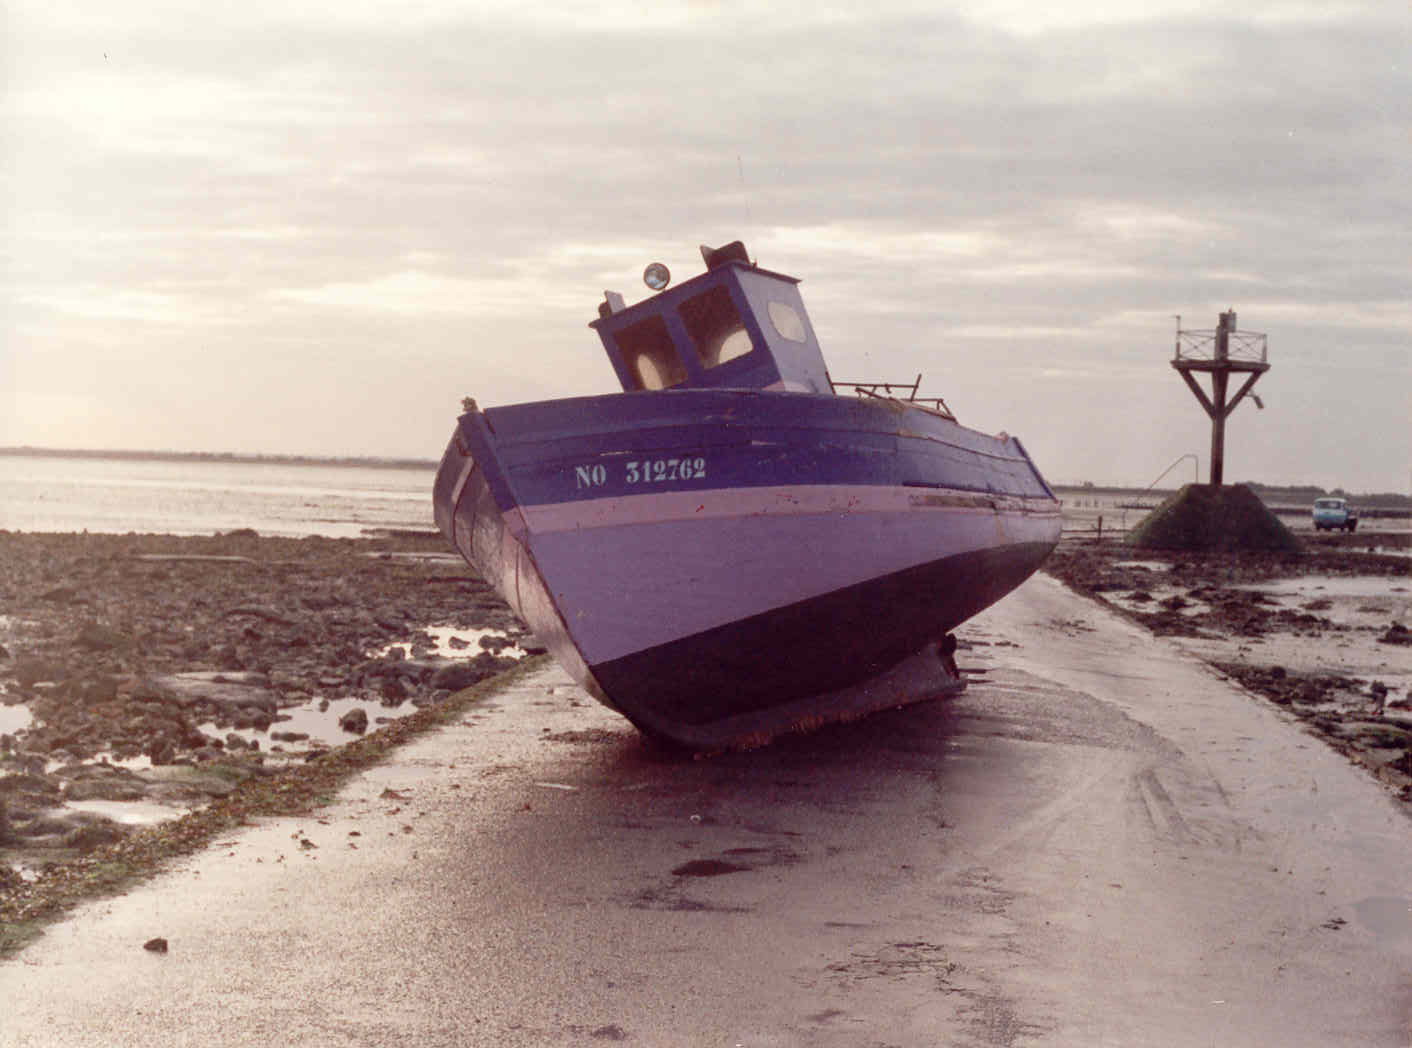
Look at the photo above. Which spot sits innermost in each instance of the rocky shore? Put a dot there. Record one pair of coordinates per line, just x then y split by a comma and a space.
143, 675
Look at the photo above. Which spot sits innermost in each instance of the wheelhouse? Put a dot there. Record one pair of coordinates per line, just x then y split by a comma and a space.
735, 326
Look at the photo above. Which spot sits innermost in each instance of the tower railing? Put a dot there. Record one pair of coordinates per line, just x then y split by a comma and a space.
1204, 345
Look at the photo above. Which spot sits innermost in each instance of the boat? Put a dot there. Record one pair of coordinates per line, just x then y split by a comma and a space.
736, 546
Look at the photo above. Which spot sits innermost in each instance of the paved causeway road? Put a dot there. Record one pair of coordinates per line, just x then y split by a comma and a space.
1099, 844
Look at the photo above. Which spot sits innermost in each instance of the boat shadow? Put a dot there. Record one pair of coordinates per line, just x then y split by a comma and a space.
643, 825
918, 729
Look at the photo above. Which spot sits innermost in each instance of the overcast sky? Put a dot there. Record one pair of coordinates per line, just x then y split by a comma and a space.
312, 228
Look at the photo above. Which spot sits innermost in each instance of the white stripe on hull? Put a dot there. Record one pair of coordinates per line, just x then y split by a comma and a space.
630, 574
793, 499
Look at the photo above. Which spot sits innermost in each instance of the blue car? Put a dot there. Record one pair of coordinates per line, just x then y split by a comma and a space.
1334, 514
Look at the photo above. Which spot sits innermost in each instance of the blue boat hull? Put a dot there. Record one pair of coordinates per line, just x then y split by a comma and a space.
741, 673
721, 566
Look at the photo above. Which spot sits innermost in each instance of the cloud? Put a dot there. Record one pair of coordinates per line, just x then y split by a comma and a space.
972, 190
412, 293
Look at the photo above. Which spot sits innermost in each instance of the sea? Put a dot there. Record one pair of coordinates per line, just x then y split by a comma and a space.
203, 496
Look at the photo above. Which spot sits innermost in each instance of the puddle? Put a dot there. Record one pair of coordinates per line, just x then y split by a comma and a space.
130, 813
318, 718
141, 762
1150, 565
320, 725
448, 642
316, 721
14, 718
425, 558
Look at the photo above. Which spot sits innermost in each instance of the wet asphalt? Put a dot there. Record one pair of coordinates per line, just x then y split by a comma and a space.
1100, 843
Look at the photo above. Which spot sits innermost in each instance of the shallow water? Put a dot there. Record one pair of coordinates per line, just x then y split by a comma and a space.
1360, 602
321, 725
318, 717
1331, 586
195, 497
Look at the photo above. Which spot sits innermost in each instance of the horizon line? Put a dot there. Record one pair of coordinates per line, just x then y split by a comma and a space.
403, 462
399, 462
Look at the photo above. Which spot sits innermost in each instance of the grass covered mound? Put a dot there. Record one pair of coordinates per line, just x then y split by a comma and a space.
1224, 519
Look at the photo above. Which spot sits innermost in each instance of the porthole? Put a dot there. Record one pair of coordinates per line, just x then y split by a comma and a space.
788, 323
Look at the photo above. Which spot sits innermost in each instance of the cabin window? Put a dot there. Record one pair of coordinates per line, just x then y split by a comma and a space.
650, 357
715, 327
788, 323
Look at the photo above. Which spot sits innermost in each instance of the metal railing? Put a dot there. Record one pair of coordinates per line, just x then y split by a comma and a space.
895, 391
1240, 345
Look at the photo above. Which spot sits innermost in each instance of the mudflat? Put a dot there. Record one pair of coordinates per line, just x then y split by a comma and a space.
1321, 633
142, 676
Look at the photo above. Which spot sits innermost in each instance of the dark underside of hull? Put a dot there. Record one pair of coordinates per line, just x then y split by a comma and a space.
772, 661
